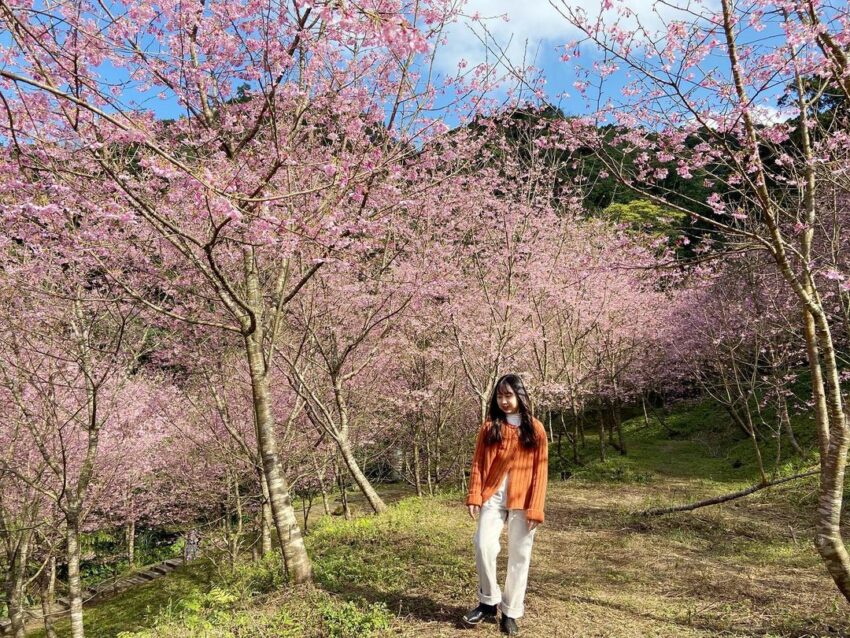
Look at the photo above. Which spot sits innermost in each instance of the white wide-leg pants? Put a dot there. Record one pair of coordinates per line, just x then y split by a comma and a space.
491, 519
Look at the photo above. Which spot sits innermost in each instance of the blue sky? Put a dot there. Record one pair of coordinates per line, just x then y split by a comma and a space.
529, 32
536, 30
534, 33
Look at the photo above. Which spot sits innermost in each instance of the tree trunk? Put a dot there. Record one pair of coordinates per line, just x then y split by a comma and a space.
561, 432
266, 531
659, 414
417, 469
609, 422
266, 520
343, 496
322, 488
725, 498
437, 465
581, 429
339, 433
75, 593
306, 506
48, 598
601, 434
428, 469
618, 422
14, 605
754, 439
737, 418
363, 483
295, 558
14, 584
785, 425
130, 535
575, 436
236, 540
828, 538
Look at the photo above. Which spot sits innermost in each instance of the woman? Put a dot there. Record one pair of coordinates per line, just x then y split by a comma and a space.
507, 484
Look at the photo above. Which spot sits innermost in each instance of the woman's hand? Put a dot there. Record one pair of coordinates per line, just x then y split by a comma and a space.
531, 524
473, 510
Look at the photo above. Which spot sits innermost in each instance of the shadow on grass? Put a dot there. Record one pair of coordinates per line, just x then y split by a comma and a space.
418, 606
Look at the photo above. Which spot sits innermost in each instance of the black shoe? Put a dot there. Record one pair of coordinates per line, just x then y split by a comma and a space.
509, 626
482, 613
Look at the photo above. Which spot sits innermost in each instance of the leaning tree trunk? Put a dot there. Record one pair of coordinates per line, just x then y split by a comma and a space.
340, 436
295, 558
322, 487
786, 427
751, 429
343, 495
375, 501
828, 538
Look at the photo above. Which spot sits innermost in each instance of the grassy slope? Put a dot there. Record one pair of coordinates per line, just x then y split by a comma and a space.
697, 443
746, 568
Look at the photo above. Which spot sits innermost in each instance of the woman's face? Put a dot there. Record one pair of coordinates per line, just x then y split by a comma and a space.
507, 399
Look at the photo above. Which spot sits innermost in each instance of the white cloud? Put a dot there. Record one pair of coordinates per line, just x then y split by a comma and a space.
533, 30
532, 24
768, 115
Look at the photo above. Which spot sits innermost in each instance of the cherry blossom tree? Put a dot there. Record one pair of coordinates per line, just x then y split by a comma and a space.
697, 89
293, 117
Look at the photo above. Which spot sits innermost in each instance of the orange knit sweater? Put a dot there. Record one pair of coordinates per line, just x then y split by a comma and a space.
528, 468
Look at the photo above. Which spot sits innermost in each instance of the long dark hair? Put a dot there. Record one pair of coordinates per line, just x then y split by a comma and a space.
497, 416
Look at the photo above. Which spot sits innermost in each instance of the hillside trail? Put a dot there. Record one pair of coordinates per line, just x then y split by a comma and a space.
746, 568
92, 595
599, 571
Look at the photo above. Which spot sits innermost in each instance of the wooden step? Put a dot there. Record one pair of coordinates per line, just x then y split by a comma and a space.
132, 580
149, 575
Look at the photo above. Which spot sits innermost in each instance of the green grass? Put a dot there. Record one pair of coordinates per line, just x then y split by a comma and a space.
429, 546
135, 608
410, 571
698, 442
364, 568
